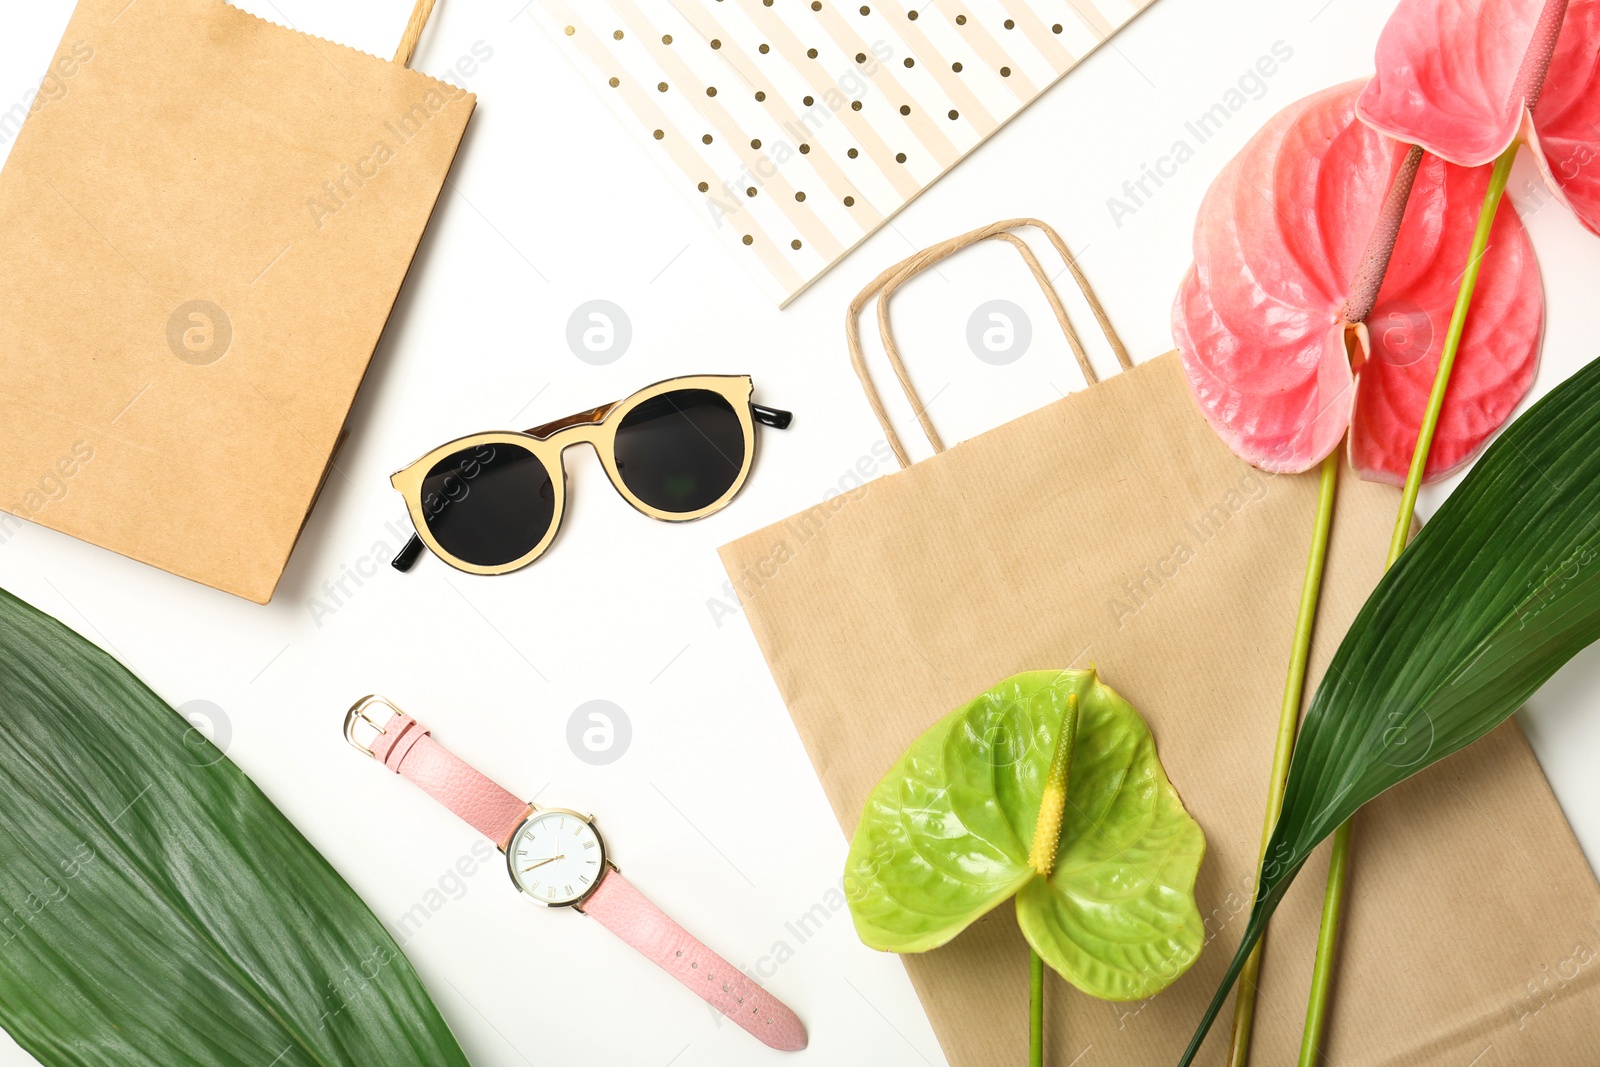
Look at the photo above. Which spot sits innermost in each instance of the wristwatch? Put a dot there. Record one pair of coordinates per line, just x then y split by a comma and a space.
557, 857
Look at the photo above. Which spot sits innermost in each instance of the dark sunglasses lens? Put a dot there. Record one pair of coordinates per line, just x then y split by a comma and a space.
681, 451
489, 504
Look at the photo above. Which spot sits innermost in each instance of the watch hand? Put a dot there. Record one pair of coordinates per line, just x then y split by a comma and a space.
541, 863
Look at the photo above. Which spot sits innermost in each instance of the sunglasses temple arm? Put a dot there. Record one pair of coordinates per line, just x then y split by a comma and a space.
406, 558
777, 418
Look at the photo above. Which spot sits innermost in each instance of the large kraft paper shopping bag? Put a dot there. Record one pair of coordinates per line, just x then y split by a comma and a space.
204, 223
1111, 527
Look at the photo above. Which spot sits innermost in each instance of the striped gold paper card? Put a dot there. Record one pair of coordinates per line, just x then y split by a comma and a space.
798, 127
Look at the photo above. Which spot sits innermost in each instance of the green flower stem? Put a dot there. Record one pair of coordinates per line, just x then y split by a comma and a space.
1452, 342
1035, 1009
1333, 895
1327, 941
1244, 1005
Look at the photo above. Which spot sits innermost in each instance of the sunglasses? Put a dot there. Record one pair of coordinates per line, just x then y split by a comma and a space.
677, 450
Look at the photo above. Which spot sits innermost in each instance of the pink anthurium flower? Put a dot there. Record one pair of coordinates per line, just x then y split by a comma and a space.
1465, 80
1283, 350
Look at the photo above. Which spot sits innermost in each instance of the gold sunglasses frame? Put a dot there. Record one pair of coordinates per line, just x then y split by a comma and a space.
596, 427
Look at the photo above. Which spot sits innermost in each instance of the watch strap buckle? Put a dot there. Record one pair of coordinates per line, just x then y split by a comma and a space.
367, 720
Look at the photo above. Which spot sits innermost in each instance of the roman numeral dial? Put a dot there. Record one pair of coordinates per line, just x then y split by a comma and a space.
556, 857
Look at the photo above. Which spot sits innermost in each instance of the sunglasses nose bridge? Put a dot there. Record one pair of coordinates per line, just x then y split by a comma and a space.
579, 435
575, 436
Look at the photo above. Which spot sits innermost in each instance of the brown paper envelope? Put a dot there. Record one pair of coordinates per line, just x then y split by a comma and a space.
1113, 527
204, 224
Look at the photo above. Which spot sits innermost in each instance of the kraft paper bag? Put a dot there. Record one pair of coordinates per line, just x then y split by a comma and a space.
1111, 527
204, 223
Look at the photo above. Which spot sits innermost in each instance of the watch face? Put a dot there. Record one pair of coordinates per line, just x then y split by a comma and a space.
556, 857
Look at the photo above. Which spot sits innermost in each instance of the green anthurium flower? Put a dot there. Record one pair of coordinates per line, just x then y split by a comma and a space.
1046, 788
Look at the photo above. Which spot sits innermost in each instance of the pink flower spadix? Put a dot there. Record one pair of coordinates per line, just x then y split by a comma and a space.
1465, 80
1284, 342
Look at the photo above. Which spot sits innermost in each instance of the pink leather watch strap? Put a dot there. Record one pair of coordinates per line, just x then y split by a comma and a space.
405, 748
625, 911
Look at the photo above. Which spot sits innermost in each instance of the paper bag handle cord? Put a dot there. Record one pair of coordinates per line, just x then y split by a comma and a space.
892, 278
413, 34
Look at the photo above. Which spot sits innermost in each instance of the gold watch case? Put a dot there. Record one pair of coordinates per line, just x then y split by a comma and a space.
606, 866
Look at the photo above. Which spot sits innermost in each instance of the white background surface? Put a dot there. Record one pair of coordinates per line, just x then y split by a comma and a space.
713, 810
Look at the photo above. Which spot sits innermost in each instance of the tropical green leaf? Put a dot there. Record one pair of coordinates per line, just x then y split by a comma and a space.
946, 836
159, 910
1497, 592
